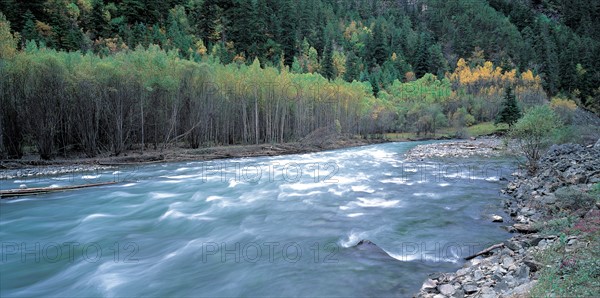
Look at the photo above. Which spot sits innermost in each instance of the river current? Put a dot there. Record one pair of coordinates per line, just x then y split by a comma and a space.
268, 226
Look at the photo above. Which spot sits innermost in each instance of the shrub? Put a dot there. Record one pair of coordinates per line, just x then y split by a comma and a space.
564, 108
535, 132
573, 199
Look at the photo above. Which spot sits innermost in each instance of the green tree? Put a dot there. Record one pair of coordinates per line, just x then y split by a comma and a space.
352, 67
288, 31
377, 51
510, 112
534, 133
29, 30
327, 64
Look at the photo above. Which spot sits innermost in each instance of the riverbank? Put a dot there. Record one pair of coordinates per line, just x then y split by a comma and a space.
556, 214
32, 166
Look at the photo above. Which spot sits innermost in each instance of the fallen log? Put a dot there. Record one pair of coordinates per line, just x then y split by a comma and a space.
42, 190
525, 229
499, 245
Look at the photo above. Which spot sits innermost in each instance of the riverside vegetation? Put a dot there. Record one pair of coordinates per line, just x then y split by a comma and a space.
96, 78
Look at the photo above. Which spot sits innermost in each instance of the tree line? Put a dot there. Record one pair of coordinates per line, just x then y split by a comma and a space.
59, 102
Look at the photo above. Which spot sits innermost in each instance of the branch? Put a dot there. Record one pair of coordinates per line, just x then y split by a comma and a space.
499, 245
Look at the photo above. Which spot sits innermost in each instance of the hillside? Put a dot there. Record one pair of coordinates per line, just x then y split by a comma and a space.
367, 40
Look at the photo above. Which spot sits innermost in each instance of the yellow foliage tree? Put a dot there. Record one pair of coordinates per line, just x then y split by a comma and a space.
8, 41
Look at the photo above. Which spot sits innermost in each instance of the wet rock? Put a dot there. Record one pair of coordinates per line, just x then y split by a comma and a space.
497, 218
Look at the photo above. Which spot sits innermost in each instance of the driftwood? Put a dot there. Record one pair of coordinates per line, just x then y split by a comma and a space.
525, 229
42, 190
499, 245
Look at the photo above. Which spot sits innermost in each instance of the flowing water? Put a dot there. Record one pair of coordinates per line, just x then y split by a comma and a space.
270, 226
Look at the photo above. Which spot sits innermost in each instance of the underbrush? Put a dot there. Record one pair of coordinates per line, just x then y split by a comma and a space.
572, 265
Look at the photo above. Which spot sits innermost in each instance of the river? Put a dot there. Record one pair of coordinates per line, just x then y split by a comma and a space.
269, 226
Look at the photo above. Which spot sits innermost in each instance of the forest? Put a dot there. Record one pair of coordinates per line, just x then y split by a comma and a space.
97, 76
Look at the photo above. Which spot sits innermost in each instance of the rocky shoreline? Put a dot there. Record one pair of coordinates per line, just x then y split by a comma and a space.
509, 269
486, 147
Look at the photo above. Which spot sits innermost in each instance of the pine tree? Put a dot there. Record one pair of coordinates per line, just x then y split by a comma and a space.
207, 19
378, 45
352, 67
510, 111
29, 30
99, 26
422, 60
327, 64
288, 31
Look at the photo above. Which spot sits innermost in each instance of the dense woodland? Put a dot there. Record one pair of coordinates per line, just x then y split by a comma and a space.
98, 76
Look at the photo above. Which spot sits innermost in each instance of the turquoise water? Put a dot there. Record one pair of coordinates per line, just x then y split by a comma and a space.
271, 226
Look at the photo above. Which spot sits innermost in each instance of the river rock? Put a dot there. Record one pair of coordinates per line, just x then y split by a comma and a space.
478, 275
429, 284
470, 288
522, 273
446, 289
501, 286
507, 262
487, 292
497, 218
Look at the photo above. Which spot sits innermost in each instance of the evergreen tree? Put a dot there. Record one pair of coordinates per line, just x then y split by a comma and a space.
510, 112
422, 59
29, 30
352, 67
327, 64
98, 23
288, 31
208, 18
377, 48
